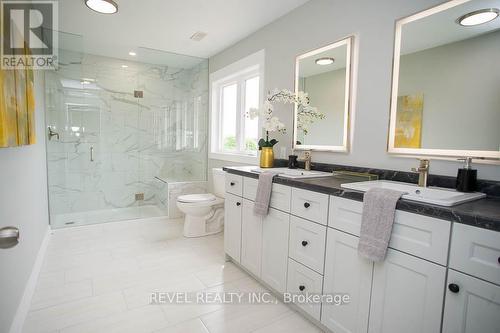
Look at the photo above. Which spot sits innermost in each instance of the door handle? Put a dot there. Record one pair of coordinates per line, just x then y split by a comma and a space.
91, 154
9, 237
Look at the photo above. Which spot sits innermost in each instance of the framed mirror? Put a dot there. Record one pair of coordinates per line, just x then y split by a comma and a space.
323, 76
446, 82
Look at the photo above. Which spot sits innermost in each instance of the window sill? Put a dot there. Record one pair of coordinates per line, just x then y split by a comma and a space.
239, 158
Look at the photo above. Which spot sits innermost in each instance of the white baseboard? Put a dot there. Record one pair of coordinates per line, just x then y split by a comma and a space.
29, 290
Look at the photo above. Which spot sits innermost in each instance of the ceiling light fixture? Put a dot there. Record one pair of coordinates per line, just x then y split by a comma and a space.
324, 61
102, 6
132, 53
478, 17
124, 66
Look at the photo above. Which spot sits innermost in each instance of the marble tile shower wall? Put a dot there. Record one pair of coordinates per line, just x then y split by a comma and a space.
134, 140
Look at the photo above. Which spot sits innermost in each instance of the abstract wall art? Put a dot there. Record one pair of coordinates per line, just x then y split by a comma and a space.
409, 121
17, 107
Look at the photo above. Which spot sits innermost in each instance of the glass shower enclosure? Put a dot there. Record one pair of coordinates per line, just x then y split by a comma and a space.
126, 135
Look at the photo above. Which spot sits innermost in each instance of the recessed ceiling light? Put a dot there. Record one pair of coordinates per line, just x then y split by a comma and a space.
102, 6
478, 17
124, 66
132, 53
324, 61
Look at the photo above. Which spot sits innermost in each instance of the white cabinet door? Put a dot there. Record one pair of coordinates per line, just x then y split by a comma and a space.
232, 226
275, 227
307, 243
476, 251
407, 295
251, 238
422, 236
234, 184
472, 305
347, 273
303, 282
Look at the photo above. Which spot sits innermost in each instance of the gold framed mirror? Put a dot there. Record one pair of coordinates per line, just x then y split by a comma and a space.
445, 99
324, 76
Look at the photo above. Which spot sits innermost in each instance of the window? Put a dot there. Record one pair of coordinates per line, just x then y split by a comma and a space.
235, 90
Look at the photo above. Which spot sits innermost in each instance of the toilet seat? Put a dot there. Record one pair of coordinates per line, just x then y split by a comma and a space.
194, 198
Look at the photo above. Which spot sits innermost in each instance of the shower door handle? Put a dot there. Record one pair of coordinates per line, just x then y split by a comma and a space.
91, 154
9, 237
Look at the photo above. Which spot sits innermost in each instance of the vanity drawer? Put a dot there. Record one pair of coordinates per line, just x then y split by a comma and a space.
280, 195
310, 205
423, 236
302, 280
476, 251
234, 184
307, 243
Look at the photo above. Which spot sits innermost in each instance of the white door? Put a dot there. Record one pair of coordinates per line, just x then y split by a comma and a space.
275, 227
472, 305
346, 273
407, 295
251, 238
232, 226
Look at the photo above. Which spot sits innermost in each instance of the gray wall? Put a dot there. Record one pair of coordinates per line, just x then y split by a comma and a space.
327, 93
23, 203
318, 23
461, 86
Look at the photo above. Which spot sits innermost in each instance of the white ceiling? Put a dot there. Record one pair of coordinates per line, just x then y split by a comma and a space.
167, 24
441, 28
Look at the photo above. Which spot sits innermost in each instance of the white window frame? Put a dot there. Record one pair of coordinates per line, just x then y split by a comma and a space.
237, 72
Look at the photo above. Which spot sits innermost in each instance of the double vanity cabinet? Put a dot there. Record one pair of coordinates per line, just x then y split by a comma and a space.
308, 244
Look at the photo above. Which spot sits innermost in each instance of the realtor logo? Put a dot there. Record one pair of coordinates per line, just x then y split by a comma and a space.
29, 34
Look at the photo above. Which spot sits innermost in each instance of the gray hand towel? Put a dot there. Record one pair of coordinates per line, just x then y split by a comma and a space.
263, 196
379, 208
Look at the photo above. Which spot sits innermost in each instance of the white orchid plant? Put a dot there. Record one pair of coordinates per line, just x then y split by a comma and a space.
306, 114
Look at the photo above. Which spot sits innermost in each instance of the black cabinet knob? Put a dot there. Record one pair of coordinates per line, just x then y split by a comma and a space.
454, 288
238, 204
498, 260
232, 184
301, 288
304, 243
307, 204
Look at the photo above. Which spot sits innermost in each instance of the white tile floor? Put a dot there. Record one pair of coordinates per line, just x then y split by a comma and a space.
99, 278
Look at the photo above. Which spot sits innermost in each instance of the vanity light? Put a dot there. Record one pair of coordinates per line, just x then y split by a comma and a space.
324, 61
478, 17
102, 6
132, 53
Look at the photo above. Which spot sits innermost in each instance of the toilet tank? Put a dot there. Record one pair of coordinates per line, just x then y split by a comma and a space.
219, 183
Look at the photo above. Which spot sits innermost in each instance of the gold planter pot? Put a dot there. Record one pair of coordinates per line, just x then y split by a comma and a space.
267, 157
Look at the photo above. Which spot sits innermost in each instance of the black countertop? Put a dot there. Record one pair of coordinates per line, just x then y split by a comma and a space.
483, 213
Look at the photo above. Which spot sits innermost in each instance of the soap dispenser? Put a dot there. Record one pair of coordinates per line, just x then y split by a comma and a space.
466, 177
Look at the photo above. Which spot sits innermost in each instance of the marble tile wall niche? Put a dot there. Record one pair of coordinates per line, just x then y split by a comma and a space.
91, 104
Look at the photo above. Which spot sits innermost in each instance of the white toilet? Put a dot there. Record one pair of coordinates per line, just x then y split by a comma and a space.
204, 212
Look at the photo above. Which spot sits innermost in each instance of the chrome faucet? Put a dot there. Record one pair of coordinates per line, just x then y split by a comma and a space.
307, 160
423, 172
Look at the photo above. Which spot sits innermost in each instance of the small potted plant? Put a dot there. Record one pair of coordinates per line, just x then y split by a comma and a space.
306, 115
270, 124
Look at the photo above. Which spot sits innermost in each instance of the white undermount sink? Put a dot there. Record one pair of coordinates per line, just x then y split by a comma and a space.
295, 173
433, 195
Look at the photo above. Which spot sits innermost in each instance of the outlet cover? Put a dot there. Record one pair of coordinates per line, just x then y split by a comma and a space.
139, 196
